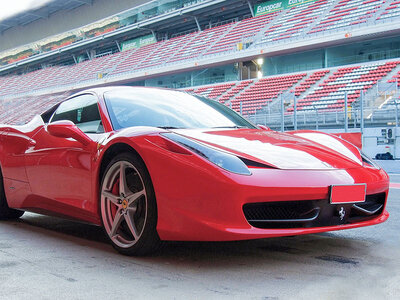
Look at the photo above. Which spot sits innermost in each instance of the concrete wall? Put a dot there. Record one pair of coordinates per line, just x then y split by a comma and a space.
63, 21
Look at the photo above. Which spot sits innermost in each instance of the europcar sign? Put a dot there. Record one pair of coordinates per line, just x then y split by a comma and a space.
277, 5
139, 42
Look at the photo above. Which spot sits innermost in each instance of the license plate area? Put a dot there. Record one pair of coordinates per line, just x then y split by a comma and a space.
342, 194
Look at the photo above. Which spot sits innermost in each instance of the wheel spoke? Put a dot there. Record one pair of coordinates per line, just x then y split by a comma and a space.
134, 197
113, 198
116, 223
124, 200
123, 187
131, 226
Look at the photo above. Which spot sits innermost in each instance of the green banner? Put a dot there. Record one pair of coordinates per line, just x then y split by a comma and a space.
277, 5
139, 42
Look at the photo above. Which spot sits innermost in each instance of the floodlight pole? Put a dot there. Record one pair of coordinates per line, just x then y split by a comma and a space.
346, 121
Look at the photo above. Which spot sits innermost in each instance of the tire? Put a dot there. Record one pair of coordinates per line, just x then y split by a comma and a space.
7, 213
128, 208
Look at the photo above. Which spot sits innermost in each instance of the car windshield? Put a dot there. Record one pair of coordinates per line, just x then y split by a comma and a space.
168, 109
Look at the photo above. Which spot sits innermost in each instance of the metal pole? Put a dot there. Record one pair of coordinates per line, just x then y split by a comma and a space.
197, 23
118, 46
282, 115
230, 105
362, 113
346, 121
295, 112
241, 107
251, 8
316, 124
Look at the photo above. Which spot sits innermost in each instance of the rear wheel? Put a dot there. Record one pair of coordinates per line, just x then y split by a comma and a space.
128, 206
7, 213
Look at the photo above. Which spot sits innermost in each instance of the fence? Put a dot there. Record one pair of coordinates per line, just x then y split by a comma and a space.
378, 107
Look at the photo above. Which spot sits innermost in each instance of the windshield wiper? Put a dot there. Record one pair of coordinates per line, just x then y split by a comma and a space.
169, 127
236, 127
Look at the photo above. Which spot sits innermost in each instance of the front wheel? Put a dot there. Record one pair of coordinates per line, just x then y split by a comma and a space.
7, 213
128, 206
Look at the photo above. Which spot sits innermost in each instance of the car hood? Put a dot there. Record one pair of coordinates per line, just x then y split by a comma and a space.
293, 150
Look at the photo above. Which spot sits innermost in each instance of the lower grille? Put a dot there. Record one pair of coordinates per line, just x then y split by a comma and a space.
312, 213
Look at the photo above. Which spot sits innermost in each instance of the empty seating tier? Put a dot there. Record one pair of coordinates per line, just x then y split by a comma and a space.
348, 13
295, 21
349, 81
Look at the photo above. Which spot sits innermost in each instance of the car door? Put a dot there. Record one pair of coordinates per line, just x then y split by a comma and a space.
59, 170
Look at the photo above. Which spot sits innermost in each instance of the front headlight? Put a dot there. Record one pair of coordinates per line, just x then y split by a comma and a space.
366, 159
222, 159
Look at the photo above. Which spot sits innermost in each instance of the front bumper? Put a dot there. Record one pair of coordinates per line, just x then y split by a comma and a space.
197, 201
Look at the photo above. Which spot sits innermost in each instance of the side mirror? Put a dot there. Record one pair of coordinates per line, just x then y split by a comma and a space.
67, 129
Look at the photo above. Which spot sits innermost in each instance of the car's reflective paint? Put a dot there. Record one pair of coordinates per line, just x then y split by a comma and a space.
196, 200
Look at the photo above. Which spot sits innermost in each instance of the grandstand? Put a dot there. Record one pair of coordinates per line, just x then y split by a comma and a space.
275, 62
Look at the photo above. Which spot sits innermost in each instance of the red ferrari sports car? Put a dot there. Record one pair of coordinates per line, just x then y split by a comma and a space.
153, 164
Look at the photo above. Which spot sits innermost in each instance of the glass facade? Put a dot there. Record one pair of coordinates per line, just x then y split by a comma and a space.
354, 53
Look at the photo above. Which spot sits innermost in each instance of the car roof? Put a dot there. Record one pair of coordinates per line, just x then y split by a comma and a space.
102, 90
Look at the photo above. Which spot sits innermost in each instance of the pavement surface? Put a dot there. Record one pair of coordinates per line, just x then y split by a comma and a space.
49, 258
390, 166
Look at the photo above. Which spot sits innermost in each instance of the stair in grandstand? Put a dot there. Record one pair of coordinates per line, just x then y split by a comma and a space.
240, 87
350, 81
293, 22
299, 88
134, 58
176, 44
391, 10
380, 11
194, 48
214, 91
264, 91
313, 80
324, 74
347, 13
204, 91
210, 49
274, 18
328, 8
225, 92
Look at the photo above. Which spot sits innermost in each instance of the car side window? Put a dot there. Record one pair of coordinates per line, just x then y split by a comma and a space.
83, 111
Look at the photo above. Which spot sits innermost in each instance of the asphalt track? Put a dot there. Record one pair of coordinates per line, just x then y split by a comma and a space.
48, 258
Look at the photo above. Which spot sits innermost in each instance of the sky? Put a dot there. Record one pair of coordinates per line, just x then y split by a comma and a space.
13, 7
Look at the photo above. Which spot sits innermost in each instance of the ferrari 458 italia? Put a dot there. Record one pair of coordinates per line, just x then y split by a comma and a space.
153, 164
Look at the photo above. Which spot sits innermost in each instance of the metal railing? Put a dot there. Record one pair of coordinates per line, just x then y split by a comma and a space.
356, 116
